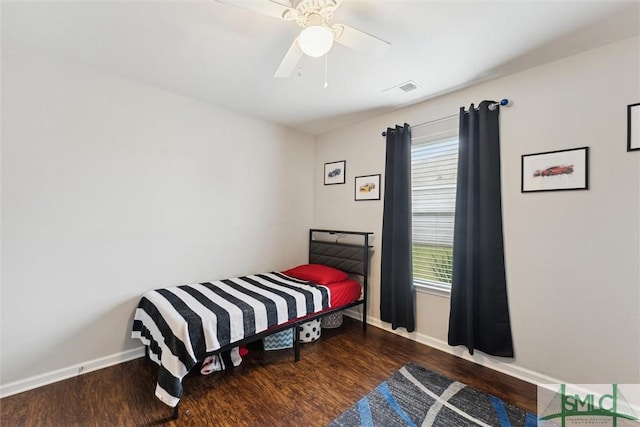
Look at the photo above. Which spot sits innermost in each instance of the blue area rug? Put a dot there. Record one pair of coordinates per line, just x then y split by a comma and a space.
415, 396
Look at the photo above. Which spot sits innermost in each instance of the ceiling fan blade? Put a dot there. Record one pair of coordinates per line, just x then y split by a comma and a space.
290, 60
360, 41
264, 7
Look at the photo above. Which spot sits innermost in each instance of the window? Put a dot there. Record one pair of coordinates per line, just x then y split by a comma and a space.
434, 166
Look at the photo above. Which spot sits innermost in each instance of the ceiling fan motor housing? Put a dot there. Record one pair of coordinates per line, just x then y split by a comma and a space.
312, 12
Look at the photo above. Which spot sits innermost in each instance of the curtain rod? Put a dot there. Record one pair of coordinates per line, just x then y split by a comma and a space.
503, 103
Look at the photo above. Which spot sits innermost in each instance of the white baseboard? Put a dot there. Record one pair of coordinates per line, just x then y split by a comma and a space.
69, 372
506, 367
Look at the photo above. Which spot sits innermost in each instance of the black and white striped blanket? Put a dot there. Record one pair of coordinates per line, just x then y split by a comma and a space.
181, 325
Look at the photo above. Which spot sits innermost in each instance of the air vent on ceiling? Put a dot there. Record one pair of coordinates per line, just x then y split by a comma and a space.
409, 86
402, 88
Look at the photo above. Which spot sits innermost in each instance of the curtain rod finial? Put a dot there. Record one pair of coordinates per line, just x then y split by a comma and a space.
504, 102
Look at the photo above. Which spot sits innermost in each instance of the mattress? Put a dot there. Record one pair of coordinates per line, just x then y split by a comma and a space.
343, 293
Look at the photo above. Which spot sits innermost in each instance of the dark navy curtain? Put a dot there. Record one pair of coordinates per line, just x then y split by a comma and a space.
479, 316
397, 295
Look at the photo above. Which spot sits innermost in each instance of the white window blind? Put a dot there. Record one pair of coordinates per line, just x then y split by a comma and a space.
434, 166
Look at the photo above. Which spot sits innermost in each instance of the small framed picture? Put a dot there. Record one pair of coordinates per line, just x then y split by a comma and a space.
368, 187
633, 127
556, 170
334, 172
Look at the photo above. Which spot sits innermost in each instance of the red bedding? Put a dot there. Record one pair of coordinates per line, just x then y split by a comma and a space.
342, 290
343, 293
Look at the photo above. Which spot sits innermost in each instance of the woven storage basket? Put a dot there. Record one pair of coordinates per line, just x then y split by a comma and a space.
279, 341
310, 331
331, 321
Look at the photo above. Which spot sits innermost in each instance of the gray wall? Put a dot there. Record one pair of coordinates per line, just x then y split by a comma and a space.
111, 188
571, 256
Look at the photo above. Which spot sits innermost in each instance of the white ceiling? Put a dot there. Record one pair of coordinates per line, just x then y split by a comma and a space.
226, 56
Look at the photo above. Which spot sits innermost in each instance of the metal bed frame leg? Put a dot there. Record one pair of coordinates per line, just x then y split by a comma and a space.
175, 412
365, 279
364, 316
296, 341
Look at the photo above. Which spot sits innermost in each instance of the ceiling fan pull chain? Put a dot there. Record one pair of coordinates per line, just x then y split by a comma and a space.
326, 82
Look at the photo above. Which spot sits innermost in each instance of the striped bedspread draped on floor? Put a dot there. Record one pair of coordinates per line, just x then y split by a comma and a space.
181, 325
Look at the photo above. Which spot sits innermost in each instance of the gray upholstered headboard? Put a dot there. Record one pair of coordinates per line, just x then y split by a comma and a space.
348, 257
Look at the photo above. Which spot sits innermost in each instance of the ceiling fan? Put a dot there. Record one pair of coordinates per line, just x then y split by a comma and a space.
316, 37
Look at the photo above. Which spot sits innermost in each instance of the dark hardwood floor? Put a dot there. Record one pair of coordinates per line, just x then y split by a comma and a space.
268, 389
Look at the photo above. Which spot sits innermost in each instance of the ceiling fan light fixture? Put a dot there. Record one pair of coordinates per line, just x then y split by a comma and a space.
316, 40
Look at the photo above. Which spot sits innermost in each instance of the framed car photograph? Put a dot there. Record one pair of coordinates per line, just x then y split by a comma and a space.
556, 170
633, 127
367, 187
334, 172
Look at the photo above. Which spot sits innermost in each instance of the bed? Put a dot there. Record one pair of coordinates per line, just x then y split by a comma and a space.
182, 326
